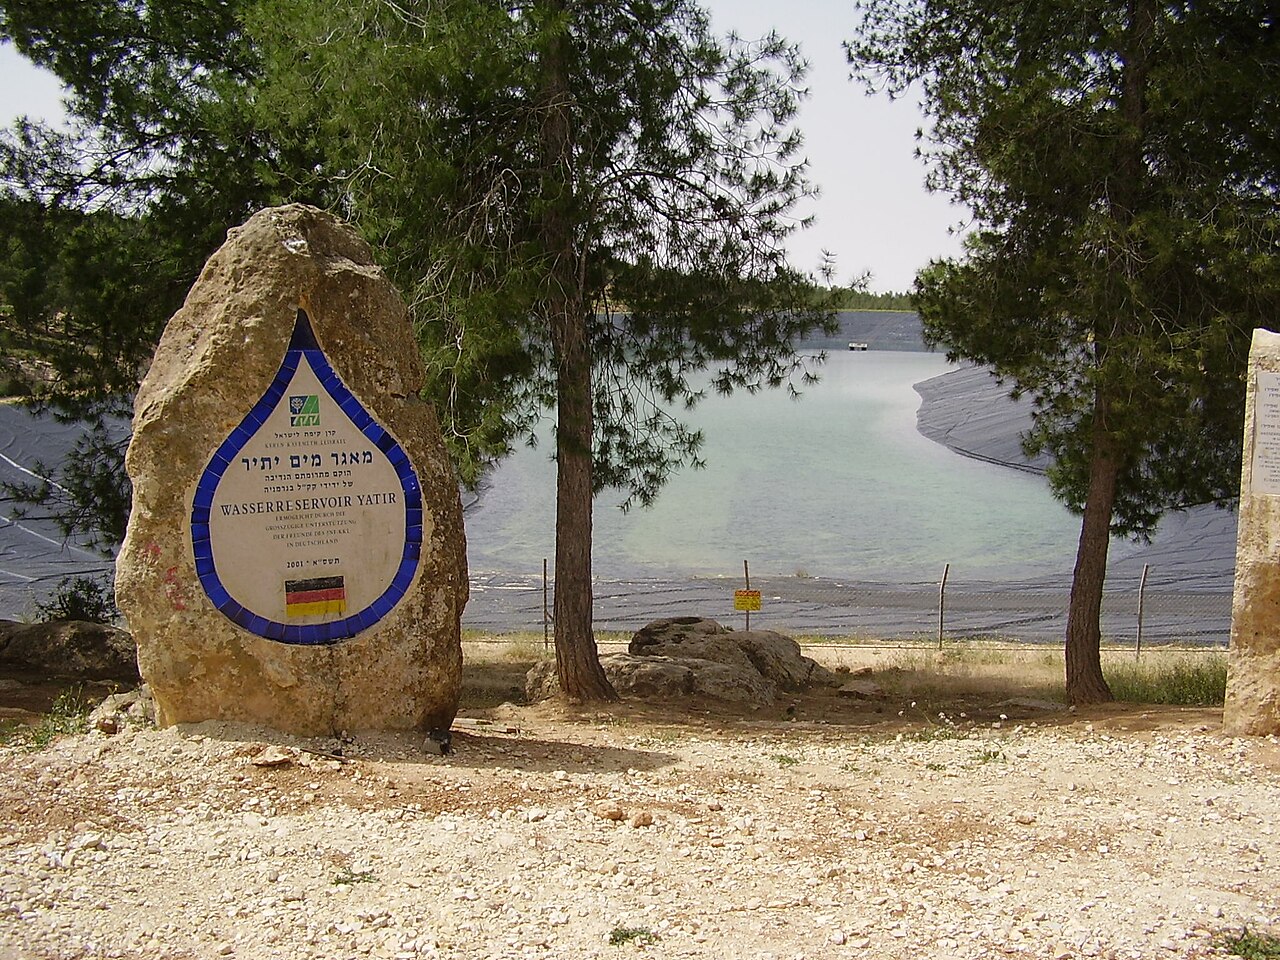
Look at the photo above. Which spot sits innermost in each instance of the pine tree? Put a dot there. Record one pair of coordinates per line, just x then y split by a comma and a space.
1120, 161
587, 202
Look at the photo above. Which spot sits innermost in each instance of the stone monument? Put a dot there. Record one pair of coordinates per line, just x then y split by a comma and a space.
295, 554
1253, 669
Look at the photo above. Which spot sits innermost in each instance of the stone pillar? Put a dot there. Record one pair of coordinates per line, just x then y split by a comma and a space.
295, 554
1253, 672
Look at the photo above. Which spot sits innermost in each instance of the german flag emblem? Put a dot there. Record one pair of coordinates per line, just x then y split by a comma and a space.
320, 595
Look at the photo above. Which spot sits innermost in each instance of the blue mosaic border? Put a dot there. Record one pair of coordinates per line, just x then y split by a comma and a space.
303, 346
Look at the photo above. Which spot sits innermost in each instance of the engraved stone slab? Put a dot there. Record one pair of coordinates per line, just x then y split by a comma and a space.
1253, 672
295, 554
1264, 462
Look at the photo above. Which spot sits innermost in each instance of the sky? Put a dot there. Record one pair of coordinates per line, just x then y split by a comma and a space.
874, 214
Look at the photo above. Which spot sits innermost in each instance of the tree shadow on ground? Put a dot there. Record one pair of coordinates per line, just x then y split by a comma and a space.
909, 700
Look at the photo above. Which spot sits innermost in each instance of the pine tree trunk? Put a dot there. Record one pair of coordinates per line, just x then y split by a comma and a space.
1085, 683
577, 660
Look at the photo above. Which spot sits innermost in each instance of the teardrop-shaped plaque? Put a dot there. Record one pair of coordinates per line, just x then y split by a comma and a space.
307, 521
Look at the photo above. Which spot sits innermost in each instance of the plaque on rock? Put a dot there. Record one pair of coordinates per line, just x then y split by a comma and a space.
1264, 465
307, 522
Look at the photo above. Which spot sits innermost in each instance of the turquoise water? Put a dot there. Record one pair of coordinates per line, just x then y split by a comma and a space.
836, 484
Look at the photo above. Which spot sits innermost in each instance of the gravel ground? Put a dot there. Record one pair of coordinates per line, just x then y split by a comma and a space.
636, 834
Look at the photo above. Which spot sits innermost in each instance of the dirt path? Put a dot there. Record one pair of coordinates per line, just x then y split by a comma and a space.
831, 829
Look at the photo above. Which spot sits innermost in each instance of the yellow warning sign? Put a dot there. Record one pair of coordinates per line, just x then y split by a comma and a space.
746, 599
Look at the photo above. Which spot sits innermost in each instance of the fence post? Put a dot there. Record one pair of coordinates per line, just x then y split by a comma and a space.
942, 601
1142, 598
746, 575
546, 622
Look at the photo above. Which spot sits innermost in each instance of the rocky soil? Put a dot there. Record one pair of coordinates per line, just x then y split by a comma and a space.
818, 831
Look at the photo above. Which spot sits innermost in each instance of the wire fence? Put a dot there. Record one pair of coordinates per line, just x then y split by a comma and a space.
1134, 610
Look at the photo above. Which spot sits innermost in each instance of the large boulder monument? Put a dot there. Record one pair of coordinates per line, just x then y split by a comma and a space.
295, 554
1253, 662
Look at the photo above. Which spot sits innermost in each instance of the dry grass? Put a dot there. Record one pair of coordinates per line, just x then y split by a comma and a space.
493, 669
952, 680
1163, 675
1169, 675
960, 676
1186, 679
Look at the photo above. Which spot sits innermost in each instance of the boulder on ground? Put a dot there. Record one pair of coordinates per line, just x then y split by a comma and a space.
673, 630
692, 656
655, 679
73, 649
733, 684
774, 656
663, 678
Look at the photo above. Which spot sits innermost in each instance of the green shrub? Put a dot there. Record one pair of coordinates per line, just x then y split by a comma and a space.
12, 385
69, 714
1250, 945
348, 876
81, 598
620, 935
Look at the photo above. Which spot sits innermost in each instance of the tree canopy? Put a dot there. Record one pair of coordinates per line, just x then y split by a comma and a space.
585, 203
681, 180
106, 223
1121, 163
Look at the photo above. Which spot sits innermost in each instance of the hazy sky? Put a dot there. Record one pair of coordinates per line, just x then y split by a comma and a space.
874, 213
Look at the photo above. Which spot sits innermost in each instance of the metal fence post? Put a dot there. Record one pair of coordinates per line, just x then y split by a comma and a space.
1142, 597
942, 601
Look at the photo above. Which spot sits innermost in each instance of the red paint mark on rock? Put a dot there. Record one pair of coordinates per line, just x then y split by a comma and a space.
173, 589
